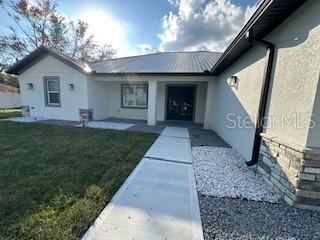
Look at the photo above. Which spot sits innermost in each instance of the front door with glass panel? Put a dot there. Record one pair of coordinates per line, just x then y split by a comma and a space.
180, 103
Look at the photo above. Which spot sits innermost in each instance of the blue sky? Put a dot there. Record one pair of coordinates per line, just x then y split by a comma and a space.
143, 26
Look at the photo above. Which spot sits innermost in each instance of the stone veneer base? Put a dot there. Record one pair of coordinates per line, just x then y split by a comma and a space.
25, 111
292, 170
87, 113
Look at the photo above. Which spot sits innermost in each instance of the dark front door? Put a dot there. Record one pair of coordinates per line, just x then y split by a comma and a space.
180, 103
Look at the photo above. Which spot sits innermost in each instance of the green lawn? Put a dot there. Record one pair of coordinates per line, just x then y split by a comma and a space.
54, 180
10, 112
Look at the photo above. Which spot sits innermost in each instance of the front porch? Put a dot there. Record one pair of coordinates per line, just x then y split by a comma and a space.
154, 100
198, 135
142, 125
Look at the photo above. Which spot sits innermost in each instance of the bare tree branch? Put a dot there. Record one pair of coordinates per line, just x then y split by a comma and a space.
40, 23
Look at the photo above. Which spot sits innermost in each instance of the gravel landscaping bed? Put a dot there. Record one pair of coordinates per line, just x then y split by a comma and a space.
226, 218
236, 203
222, 172
202, 137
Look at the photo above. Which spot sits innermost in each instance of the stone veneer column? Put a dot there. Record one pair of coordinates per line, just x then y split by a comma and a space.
292, 170
25, 111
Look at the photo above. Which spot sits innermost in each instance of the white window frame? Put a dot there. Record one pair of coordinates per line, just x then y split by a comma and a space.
134, 86
47, 91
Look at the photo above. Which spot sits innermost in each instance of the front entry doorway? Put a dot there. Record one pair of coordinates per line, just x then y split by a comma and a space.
180, 103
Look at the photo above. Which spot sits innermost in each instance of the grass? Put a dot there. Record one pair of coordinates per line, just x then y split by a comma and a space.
10, 112
54, 181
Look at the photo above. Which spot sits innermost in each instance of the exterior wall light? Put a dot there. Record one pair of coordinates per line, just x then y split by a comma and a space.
71, 86
30, 86
233, 81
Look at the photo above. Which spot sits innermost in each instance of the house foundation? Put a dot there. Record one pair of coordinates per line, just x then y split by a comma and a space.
292, 170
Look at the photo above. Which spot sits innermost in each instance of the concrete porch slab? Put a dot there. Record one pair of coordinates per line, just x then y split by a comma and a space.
108, 125
25, 119
171, 149
158, 201
175, 132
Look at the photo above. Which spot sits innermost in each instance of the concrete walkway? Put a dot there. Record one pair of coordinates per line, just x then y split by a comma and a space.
172, 145
158, 200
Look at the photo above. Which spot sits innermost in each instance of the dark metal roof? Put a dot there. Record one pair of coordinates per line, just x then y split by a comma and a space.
42, 51
269, 15
159, 63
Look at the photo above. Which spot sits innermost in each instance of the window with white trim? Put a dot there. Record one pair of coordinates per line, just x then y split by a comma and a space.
52, 91
134, 96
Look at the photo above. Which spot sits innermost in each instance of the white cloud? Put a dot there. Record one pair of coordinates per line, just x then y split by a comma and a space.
146, 49
174, 2
202, 25
107, 30
188, 7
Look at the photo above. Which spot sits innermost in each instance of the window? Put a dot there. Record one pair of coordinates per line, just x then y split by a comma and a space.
134, 96
52, 91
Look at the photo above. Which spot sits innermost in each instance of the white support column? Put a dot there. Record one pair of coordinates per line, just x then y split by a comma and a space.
208, 114
152, 103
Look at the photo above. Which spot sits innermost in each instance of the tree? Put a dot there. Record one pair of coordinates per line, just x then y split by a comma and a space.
39, 23
10, 80
85, 48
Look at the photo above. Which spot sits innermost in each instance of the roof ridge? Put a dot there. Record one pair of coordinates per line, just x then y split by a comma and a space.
148, 54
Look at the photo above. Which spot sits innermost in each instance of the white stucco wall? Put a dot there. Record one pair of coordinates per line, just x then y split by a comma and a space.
98, 98
209, 105
9, 100
161, 101
296, 74
242, 102
295, 79
201, 102
114, 104
71, 101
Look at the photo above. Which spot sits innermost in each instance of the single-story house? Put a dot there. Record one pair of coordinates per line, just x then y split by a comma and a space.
148, 87
269, 74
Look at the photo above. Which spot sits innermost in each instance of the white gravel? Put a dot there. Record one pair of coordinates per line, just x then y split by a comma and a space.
108, 125
222, 172
25, 119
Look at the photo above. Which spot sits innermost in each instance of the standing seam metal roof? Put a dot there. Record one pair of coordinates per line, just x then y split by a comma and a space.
163, 62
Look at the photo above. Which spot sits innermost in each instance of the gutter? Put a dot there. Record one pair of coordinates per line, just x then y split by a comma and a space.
264, 94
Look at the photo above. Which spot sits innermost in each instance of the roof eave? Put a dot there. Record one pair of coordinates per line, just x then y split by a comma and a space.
25, 63
239, 45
